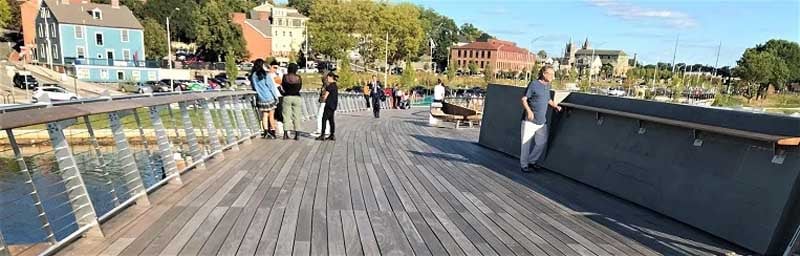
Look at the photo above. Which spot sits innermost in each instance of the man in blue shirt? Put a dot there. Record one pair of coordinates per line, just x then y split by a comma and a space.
534, 119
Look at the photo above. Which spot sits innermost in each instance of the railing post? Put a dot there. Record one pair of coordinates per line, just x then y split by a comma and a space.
23, 166
100, 162
213, 138
191, 138
124, 154
244, 131
145, 144
230, 138
250, 114
3, 248
165, 148
82, 207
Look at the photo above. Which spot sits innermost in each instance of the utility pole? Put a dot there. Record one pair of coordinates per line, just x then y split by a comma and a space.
169, 45
675, 52
305, 55
716, 63
386, 59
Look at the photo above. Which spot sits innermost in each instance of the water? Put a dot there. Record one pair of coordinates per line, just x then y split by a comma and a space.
19, 222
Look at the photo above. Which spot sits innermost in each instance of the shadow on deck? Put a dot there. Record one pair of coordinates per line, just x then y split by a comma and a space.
388, 186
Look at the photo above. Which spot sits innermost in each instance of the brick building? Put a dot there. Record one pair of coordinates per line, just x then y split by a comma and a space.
257, 35
501, 55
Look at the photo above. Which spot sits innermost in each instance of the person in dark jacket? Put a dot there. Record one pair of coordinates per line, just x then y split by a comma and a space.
376, 93
331, 98
292, 103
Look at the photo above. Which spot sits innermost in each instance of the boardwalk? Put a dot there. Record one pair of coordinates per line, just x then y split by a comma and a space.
393, 187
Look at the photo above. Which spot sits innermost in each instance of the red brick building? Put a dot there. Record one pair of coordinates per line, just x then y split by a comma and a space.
501, 55
257, 35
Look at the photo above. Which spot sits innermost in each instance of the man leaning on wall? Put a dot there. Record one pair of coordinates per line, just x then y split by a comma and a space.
534, 119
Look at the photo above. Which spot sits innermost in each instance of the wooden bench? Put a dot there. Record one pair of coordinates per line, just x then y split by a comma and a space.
457, 114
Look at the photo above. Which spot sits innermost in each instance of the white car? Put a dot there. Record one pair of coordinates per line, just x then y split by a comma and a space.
616, 91
242, 81
53, 93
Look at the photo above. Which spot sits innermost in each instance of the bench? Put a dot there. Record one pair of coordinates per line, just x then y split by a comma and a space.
457, 114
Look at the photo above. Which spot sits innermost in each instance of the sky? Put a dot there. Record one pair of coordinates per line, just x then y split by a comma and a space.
648, 29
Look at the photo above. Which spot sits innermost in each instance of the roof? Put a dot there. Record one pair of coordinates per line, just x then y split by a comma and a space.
262, 26
600, 52
296, 14
80, 13
496, 45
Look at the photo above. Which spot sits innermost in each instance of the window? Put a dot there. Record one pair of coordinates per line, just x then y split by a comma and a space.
489, 55
98, 39
135, 75
83, 73
481, 64
470, 54
284, 33
55, 51
80, 52
120, 75
104, 74
97, 14
126, 54
483, 55
297, 23
52, 30
459, 53
290, 33
41, 30
124, 34
78, 32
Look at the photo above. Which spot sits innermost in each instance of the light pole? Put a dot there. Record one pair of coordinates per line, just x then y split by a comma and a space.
169, 38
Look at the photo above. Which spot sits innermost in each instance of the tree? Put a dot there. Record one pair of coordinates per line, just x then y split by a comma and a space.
302, 6
470, 32
473, 68
541, 54
762, 68
402, 23
231, 70
155, 39
346, 76
787, 51
331, 26
607, 70
407, 79
442, 30
5, 13
183, 22
488, 74
485, 37
216, 34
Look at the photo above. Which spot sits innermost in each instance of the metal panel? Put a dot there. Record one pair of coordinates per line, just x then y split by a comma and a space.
230, 136
100, 162
213, 138
131, 173
244, 132
165, 148
82, 207
195, 151
3, 248
23, 166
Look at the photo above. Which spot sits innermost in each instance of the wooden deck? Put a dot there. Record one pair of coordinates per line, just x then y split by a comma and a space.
391, 186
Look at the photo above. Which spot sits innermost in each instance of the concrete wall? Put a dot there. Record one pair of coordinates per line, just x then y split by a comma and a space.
728, 187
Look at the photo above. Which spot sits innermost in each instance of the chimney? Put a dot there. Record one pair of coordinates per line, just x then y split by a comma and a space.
238, 17
263, 16
115, 4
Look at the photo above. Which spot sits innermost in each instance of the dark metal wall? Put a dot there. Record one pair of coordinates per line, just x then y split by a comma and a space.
728, 186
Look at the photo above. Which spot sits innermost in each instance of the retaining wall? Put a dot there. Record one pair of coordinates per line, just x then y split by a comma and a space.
727, 186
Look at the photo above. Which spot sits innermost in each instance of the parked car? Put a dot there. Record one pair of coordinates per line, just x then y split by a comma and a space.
616, 91
140, 87
245, 66
54, 93
196, 86
242, 81
25, 80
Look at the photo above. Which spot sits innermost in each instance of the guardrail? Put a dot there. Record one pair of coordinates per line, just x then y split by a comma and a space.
67, 167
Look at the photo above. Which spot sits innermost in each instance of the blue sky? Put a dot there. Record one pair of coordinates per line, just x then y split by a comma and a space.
647, 28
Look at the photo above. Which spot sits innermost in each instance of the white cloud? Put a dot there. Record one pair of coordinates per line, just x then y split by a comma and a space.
632, 12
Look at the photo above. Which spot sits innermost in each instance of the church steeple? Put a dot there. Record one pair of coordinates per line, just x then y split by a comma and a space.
586, 44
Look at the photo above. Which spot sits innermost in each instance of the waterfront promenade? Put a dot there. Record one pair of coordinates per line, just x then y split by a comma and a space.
391, 186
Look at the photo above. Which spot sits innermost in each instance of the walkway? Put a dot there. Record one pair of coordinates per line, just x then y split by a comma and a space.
389, 186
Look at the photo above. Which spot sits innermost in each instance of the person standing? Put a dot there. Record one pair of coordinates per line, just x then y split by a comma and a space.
321, 108
376, 94
267, 100
534, 119
292, 103
438, 92
398, 97
331, 98
365, 89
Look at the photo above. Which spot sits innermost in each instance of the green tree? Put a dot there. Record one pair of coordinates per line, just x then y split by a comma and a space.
541, 54
216, 34
607, 70
155, 39
488, 74
485, 37
405, 31
14, 14
331, 26
183, 22
442, 30
409, 75
5, 13
470, 32
231, 69
302, 6
787, 51
473, 68
762, 68
346, 76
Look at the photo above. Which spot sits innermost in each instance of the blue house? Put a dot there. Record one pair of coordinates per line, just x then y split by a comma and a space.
94, 42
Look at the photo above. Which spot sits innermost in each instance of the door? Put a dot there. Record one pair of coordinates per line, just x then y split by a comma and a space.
110, 57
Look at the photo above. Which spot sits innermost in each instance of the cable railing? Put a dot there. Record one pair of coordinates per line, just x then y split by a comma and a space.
67, 167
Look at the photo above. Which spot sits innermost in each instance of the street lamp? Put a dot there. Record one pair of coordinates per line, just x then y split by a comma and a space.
169, 38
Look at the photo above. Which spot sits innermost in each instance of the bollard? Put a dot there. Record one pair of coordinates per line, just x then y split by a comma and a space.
82, 207
37, 201
194, 147
164, 148
125, 157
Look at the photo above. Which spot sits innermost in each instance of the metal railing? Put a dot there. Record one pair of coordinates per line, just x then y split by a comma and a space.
67, 167
112, 62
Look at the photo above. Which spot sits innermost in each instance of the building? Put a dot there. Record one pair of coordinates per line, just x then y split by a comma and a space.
29, 9
287, 28
94, 42
587, 59
502, 56
257, 35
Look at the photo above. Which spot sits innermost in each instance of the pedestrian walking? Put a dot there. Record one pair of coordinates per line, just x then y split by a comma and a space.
331, 99
292, 103
534, 119
267, 100
377, 96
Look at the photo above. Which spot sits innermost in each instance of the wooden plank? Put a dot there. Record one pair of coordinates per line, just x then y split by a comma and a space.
350, 231
368, 240
217, 237
198, 239
336, 243
286, 237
